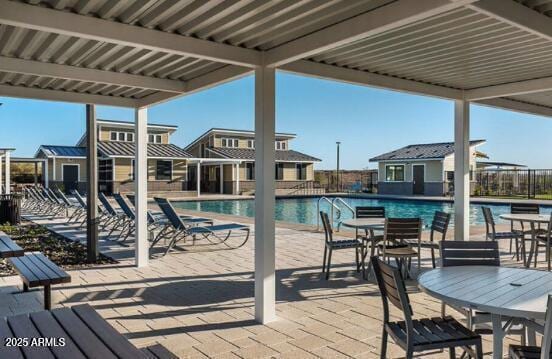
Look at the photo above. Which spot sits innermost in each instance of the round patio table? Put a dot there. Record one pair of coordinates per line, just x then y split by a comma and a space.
364, 223
503, 292
532, 219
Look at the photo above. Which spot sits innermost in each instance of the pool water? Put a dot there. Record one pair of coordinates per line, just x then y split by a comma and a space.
304, 210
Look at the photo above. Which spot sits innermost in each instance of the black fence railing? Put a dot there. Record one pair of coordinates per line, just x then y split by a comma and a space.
348, 181
532, 184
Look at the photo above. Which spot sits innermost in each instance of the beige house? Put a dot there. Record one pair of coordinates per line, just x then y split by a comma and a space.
421, 169
293, 169
167, 163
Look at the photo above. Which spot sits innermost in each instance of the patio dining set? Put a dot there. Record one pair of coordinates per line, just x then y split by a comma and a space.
491, 299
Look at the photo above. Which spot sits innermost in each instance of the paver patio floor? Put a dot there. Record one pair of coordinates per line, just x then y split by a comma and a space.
199, 302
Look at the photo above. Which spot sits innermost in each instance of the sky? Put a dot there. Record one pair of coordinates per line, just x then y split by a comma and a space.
367, 121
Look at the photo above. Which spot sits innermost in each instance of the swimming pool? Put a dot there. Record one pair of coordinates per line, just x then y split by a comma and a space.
303, 210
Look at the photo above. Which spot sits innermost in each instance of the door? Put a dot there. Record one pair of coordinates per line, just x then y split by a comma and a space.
418, 178
70, 177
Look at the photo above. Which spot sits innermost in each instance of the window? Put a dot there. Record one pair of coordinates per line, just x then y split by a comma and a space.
154, 138
113, 136
250, 143
163, 171
280, 145
202, 150
121, 136
394, 173
279, 172
449, 176
250, 171
301, 169
230, 142
130, 137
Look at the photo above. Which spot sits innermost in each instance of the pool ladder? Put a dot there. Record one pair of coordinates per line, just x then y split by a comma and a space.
333, 206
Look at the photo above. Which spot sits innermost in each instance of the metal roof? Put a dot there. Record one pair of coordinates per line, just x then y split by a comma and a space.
62, 151
138, 53
422, 151
249, 154
126, 149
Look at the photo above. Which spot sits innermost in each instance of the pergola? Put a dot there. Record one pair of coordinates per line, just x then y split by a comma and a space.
139, 53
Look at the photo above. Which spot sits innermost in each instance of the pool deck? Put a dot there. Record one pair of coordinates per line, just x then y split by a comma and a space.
198, 301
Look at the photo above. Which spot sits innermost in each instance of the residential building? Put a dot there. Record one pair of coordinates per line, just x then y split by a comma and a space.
167, 163
293, 169
421, 169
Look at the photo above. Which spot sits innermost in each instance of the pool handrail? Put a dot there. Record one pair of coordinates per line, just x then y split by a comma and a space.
332, 206
342, 201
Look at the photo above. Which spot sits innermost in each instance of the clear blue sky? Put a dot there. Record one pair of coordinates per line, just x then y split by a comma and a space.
367, 121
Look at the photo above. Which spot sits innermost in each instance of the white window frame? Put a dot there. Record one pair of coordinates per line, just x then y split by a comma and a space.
229, 142
395, 165
250, 143
155, 138
280, 145
70, 164
297, 171
126, 136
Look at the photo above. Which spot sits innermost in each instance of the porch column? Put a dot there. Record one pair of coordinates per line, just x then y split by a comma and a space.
54, 166
198, 178
36, 173
265, 283
45, 172
92, 243
237, 178
461, 170
1, 190
141, 247
221, 169
8, 171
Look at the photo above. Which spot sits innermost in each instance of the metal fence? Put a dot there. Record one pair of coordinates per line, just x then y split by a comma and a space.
348, 181
528, 183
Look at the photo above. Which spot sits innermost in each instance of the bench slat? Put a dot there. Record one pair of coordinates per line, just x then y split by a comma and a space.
157, 351
22, 327
87, 341
8, 248
111, 337
8, 352
50, 328
29, 277
63, 276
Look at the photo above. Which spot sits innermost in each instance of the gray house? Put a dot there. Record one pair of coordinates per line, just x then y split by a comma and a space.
421, 169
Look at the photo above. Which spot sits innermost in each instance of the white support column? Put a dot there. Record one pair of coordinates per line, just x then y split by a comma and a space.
198, 178
8, 171
45, 172
221, 178
1, 191
461, 170
237, 178
53, 168
265, 283
141, 187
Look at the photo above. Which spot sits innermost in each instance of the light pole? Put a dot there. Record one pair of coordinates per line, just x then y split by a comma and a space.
337, 172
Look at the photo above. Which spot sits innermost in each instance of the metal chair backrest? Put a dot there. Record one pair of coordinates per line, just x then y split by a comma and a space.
392, 288
328, 231
439, 224
124, 206
369, 212
169, 212
108, 207
522, 208
546, 345
469, 253
79, 198
63, 197
399, 229
48, 196
489, 221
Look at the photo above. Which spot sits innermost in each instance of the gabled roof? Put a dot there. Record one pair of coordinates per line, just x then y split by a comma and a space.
62, 151
126, 149
249, 154
422, 151
115, 149
234, 132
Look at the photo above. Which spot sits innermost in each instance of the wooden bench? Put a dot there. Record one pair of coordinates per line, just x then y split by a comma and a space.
8, 248
36, 270
158, 351
84, 332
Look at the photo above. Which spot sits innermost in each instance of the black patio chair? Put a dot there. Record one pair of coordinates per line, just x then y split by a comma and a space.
370, 237
332, 244
544, 240
493, 235
397, 234
534, 352
522, 208
417, 335
439, 227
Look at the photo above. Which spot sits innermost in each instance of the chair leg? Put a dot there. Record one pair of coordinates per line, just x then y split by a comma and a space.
383, 353
433, 257
479, 351
443, 309
452, 353
324, 260
329, 264
511, 239
357, 261
517, 249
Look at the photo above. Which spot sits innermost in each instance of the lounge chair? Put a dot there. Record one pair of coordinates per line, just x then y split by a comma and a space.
178, 230
118, 220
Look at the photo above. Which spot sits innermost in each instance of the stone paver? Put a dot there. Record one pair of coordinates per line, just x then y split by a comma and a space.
199, 301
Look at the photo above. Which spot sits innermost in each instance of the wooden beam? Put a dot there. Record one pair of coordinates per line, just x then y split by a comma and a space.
67, 72
87, 27
385, 18
64, 96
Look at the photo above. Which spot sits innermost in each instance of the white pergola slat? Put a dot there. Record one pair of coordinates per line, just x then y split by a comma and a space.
491, 52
